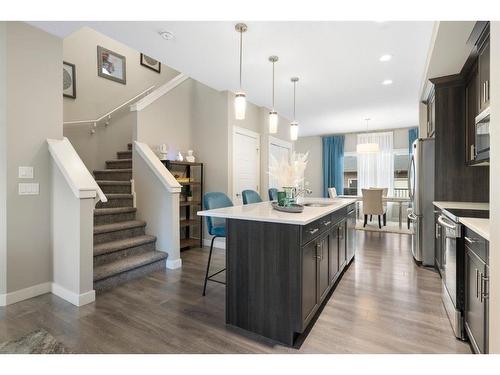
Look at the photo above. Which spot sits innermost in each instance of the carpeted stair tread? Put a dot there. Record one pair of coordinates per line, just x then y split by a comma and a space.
119, 196
113, 170
106, 228
117, 245
107, 270
124, 155
111, 182
113, 210
129, 146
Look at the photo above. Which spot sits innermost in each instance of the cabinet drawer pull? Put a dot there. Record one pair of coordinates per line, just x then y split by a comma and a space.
327, 223
312, 231
470, 240
477, 283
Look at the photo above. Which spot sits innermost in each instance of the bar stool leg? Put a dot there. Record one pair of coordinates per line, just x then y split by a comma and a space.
208, 264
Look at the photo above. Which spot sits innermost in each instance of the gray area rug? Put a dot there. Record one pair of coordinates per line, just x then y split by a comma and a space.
37, 342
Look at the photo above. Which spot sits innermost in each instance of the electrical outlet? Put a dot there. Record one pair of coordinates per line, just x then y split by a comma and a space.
25, 172
29, 188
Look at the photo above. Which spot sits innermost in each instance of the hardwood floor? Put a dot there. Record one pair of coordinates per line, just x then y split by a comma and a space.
383, 304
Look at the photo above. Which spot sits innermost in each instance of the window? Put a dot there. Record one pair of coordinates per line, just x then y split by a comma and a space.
350, 173
401, 162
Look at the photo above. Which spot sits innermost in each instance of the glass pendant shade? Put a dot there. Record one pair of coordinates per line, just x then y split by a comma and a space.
240, 105
294, 130
273, 122
367, 148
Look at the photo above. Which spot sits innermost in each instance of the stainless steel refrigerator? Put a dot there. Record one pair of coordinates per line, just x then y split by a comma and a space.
421, 192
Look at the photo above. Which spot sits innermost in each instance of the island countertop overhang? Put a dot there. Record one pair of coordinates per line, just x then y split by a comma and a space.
264, 212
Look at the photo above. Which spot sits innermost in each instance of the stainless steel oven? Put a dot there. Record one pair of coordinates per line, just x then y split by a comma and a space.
482, 146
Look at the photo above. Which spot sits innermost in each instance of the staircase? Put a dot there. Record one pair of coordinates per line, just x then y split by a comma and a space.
122, 249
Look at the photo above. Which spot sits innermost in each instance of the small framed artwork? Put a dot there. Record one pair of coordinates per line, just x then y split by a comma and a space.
69, 80
150, 63
111, 65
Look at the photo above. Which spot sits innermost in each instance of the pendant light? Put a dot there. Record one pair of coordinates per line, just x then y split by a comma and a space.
273, 115
294, 125
367, 148
240, 99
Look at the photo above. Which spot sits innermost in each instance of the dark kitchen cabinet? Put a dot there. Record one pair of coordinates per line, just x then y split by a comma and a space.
351, 234
322, 251
309, 281
471, 111
438, 244
476, 305
484, 74
342, 244
333, 258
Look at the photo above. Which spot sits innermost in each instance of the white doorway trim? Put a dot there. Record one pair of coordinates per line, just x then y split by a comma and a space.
252, 134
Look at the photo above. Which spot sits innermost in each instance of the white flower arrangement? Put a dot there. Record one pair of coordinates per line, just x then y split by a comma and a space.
289, 173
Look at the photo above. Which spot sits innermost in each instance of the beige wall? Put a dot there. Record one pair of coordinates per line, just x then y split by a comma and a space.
168, 120
34, 113
3, 158
96, 95
314, 171
494, 329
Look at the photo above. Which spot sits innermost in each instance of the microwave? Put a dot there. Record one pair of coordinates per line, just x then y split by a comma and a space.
482, 147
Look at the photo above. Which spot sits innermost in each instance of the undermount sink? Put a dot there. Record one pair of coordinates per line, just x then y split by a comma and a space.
316, 204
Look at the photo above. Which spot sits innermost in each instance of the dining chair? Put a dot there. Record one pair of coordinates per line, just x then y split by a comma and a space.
216, 227
273, 194
250, 196
373, 205
332, 192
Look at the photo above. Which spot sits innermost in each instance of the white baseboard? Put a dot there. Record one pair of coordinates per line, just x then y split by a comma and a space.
74, 298
219, 243
26, 293
173, 264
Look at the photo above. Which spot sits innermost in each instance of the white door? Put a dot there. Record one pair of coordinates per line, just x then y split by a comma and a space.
278, 149
246, 162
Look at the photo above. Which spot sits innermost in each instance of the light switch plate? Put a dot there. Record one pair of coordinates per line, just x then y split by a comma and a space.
25, 172
29, 188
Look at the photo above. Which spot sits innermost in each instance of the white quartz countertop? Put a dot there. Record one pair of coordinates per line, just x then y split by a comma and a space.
265, 212
462, 205
480, 226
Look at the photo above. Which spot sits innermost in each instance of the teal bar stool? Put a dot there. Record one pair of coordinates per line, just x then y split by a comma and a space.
250, 196
216, 227
273, 194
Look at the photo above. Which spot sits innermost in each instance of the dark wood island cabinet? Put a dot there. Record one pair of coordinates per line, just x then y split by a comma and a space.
279, 274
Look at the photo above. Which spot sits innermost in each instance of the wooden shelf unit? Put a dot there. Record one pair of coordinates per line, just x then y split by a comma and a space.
191, 226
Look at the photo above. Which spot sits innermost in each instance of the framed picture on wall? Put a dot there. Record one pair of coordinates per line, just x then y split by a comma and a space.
69, 80
150, 63
111, 65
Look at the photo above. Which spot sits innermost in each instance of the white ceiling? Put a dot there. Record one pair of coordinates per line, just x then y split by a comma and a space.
337, 62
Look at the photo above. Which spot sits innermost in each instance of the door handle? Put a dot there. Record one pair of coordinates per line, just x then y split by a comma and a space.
470, 240
442, 221
484, 293
319, 252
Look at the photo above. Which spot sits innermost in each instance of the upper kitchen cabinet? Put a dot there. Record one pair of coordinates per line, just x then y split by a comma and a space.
471, 111
484, 71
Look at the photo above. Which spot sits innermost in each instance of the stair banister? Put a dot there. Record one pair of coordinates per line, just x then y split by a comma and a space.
157, 196
74, 195
109, 113
159, 92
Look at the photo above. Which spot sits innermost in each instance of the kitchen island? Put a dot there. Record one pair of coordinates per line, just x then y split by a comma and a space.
281, 267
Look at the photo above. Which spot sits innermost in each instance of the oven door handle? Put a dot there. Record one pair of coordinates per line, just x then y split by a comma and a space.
441, 220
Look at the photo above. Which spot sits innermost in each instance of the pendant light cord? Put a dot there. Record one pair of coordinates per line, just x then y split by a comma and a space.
294, 84
273, 85
241, 53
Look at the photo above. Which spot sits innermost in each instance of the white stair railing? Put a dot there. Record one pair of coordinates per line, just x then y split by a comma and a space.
159, 92
74, 195
107, 116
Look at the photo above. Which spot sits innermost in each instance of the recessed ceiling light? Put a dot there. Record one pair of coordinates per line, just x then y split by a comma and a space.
387, 82
167, 35
385, 58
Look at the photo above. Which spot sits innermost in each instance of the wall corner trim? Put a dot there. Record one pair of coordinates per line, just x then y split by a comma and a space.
159, 92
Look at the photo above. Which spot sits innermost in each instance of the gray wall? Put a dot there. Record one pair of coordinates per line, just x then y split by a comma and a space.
314, 171
96, 95
3, 158
34, 113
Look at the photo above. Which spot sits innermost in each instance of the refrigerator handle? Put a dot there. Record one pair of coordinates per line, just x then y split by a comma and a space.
411, 168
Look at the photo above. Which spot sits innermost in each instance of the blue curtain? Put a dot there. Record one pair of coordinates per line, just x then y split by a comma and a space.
412, 135
333, 164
